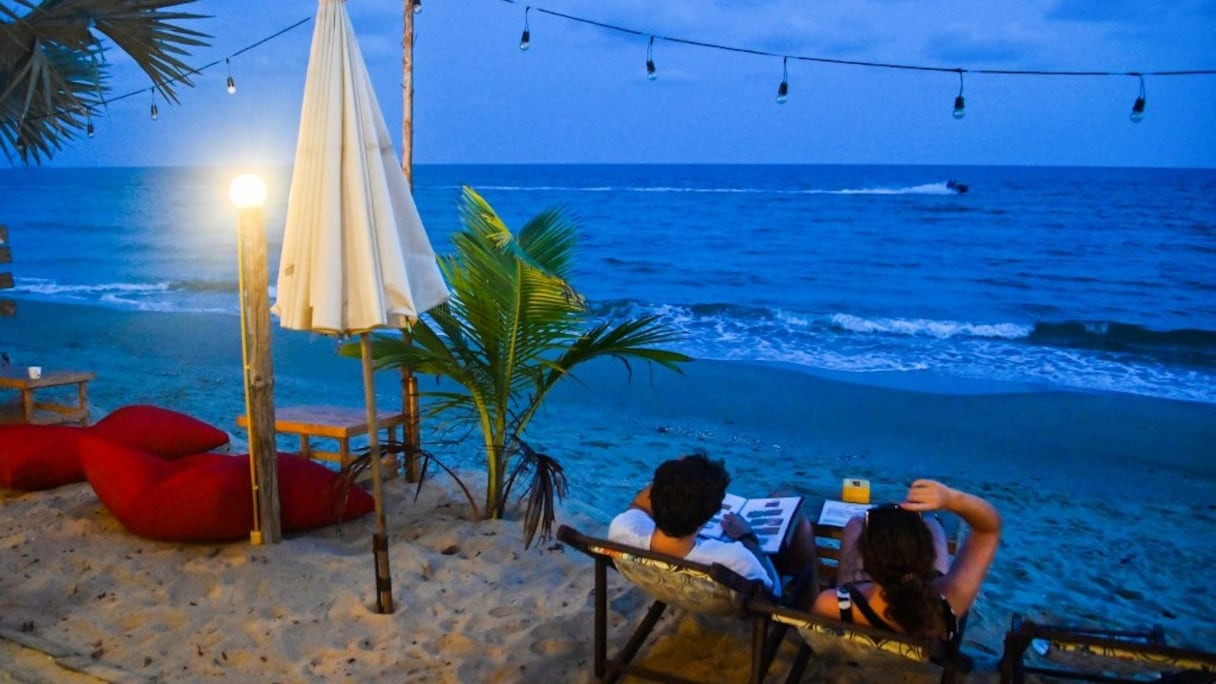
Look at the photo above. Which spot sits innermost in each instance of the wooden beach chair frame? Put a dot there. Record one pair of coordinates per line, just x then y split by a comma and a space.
944, 652
731, 593
1146, 648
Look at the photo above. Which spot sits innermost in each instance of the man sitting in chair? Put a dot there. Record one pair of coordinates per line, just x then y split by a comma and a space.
684, 495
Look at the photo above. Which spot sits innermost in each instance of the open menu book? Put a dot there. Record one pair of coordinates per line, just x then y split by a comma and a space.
837, 513
769, 519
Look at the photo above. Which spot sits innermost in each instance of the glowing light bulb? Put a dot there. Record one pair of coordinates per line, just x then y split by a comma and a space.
155, 112
89, 129
231, 86
417, 6
525, 40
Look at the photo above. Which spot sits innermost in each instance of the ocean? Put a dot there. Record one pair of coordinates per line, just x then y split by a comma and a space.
1079, 278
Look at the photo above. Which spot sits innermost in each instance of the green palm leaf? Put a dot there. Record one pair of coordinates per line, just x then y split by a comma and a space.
53, 69
512, 329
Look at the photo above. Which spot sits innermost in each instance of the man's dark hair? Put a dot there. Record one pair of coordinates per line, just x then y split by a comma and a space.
686, 493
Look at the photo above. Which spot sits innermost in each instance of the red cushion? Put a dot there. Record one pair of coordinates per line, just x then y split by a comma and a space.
39, 456
312, 496
120, 474
159, 431
208, 497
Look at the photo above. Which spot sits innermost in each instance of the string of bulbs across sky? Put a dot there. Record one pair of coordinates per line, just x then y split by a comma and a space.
783, 88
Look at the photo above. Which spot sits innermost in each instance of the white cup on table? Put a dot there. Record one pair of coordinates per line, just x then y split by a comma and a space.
35, 372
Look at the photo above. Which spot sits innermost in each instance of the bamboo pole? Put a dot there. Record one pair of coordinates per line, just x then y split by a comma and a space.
384, 580
259, 376
411, 431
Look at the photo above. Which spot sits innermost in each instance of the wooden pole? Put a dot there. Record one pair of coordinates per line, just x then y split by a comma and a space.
384, 579
259, 376
7, 306
411, 431
407, 92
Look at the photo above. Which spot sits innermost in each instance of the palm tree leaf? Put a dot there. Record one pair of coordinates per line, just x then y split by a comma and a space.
52, 67
513, 326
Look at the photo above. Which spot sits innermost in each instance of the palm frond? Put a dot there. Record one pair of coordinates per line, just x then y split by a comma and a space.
513, 327
52, 66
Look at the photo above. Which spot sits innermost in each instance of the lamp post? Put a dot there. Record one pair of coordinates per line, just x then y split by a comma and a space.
248, 193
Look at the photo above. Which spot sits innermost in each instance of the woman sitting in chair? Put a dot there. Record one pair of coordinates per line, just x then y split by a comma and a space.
895, 572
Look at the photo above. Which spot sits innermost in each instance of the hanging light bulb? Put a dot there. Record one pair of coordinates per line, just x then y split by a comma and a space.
651, 73
1137, 114
155, 111
783, 90
525, 39
417, 6
88, 129
960, 105
231, 83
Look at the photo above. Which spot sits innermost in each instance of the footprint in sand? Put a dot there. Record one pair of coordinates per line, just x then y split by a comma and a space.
504, 611
553, 647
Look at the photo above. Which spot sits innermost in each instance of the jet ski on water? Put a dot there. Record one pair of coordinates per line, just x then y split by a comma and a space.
956, 186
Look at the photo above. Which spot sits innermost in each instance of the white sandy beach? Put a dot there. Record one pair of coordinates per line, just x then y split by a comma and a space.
1107, 500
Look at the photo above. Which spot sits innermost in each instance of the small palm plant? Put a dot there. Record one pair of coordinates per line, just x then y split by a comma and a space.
513, 328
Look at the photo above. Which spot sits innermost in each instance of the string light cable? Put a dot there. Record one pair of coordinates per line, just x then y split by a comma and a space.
959, 104
154, 111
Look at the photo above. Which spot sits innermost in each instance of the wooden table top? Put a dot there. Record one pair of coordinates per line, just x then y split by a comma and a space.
327, 421
17, 377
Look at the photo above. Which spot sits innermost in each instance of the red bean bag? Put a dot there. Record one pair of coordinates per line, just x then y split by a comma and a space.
208, 497
160, 431
312, 496
39, 456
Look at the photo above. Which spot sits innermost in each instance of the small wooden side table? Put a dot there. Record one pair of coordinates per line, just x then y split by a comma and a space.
49, 412
330, 422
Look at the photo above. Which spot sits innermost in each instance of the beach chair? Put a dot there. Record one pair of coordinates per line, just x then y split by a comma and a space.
714, 590
870, 647
1099, 655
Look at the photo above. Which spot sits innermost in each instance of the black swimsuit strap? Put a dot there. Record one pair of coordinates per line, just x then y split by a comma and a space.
859, 600
950, 618
849, 595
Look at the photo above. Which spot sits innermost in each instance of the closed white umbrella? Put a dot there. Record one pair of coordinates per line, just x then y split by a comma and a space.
355, 255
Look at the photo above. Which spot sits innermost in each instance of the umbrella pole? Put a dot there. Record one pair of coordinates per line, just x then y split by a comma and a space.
384, 580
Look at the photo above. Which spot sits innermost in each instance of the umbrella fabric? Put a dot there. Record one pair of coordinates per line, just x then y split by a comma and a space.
355, 255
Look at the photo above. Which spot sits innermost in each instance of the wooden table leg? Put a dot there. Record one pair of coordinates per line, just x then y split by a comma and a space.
305, 447
392, 459
27, 405
344, 451
82, 400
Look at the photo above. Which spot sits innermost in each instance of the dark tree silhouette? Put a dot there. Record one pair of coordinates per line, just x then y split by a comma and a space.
53, 67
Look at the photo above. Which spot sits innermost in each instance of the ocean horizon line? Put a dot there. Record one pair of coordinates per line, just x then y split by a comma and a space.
630, 164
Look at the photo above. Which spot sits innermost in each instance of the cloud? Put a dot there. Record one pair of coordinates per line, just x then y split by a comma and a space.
971, 48
1127, 11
